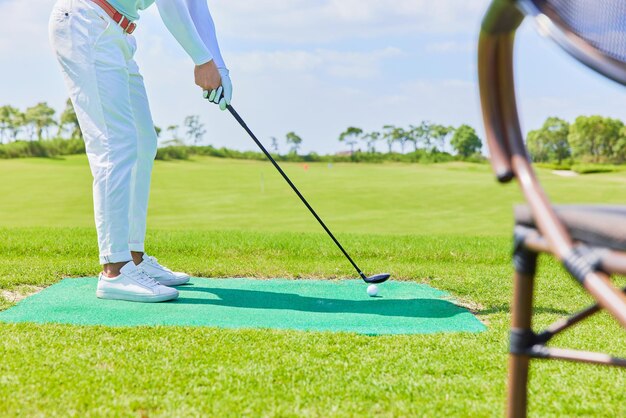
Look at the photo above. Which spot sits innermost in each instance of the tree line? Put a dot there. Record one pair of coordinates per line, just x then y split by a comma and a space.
589, 139
427, 136
38, 122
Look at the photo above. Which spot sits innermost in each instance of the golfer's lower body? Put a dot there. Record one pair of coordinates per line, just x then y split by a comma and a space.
110, 101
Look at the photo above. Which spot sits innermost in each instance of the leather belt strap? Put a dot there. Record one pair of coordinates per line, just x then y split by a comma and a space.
128, 26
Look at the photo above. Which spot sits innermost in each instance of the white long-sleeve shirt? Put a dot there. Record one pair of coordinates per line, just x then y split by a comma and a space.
189, 21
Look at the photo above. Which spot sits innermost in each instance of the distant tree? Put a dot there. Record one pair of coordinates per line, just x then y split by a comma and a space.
195, 129
415, 135
403, 136
350, 136
619, 149
595, 137
40, 117
465, 141
294, 140
173, 131
7, 120
173, 142
18, 123
69, 118
370, 139
426, 134
394, 134
439, 133
390, 135
275, 145
537, 149
158, 131
549, 143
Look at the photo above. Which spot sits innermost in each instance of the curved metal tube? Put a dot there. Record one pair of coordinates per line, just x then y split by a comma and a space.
509, 156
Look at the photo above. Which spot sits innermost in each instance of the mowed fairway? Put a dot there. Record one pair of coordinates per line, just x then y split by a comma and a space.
447, 225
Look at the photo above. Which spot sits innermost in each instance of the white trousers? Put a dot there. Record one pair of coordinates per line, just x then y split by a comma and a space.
109, 97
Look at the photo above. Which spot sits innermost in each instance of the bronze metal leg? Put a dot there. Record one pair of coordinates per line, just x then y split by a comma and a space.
518, 363
521, 331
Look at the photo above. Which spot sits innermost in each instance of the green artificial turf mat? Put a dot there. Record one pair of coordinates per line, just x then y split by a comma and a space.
315, 305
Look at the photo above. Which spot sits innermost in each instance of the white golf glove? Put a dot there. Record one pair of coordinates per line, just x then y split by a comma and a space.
224, 93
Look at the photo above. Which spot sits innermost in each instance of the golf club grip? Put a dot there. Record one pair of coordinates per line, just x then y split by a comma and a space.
293, 186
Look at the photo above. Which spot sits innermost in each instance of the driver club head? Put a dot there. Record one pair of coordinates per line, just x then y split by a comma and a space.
378, 278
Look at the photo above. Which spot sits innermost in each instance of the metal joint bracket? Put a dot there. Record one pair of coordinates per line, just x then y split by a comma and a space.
524, 260
581, 261
521, 341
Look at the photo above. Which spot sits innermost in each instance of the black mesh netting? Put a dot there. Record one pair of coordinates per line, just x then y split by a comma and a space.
602, 23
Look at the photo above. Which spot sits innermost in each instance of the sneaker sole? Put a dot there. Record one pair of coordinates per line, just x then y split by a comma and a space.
176, 282
135, 298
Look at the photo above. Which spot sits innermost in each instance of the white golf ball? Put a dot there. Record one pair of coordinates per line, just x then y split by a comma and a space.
372, 290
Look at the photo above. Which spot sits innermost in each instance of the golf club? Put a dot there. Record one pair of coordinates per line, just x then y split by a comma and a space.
378, 278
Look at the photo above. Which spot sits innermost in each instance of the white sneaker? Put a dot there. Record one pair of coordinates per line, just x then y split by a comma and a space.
162, 274
133, 285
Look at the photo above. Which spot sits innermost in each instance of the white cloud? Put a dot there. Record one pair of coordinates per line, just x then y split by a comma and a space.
447, 47
314, 93
328, 62
29, 72
331, 20
24, 23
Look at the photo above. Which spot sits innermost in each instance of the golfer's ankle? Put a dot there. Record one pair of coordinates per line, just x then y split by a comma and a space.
137, 257
113, 269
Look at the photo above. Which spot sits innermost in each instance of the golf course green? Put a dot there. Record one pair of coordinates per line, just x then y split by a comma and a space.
444, 225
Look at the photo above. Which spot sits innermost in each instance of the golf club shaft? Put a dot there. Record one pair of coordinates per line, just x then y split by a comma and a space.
293, 186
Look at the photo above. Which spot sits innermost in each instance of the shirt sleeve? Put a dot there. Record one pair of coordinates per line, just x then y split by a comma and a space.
177, 18
203, 21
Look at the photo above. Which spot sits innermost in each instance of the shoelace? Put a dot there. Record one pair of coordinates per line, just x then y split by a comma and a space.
155, 263
143, 278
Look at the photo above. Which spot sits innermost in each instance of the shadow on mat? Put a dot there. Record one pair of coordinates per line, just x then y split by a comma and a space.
255, 299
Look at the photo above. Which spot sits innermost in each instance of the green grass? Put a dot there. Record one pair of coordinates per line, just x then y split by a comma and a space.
446, 224
596, 168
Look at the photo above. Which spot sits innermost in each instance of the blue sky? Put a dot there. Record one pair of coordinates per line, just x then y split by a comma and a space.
318, 66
